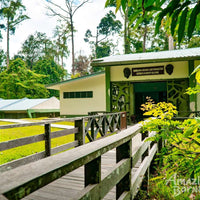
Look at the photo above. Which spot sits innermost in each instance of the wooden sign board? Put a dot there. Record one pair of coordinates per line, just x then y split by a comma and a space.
144, 71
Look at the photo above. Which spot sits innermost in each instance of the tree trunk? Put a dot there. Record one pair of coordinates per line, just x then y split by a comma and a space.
144, 38
170, 42
96, 44
72, 32
8, 55
126, 43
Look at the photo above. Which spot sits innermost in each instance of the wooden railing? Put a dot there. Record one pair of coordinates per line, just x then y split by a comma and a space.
33, 176
88, 126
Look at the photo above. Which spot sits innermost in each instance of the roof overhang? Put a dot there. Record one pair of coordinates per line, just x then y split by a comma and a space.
56, 86
149, 57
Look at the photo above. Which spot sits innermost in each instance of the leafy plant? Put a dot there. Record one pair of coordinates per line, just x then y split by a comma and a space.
180, 154
195, 89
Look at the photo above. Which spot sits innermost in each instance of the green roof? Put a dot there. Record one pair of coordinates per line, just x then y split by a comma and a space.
149, 57
56, 86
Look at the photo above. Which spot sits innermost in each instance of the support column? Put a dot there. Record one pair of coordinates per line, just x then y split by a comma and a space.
192, 83
108, 93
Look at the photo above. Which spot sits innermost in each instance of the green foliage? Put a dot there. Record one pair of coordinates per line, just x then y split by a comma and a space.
39, 46
19, 82
12, 11
180, 154
2, 60
53, 73
101, 43
195, 89
183, 15
162, 110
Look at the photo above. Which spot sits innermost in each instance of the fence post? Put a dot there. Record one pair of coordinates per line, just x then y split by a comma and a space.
92, 129
104, 129
145, 182
122, 152
80, 136
123, 120
47, 136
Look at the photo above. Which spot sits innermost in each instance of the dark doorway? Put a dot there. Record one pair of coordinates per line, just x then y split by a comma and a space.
157, 91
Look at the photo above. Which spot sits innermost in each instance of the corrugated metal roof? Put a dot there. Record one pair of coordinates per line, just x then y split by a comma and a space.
19, 104
149, 57
6, 102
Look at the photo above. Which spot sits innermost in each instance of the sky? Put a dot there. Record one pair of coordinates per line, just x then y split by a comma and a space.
87, 17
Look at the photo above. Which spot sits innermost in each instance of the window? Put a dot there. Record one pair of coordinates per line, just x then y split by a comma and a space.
71, 95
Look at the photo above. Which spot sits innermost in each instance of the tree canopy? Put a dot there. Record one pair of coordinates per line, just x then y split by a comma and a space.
19, 82
183, 15
108, 26
12, 12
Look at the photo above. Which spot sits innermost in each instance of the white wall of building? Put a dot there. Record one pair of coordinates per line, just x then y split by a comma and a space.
81, 106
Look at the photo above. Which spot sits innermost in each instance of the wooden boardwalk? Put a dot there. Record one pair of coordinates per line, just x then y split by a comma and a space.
109, 168
69, 185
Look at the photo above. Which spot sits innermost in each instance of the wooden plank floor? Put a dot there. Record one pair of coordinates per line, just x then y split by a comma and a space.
69, 185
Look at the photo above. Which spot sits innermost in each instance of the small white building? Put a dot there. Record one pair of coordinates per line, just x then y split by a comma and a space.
81, 95
23, 108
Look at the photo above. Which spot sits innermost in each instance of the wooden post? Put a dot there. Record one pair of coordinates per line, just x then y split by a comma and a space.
123, 121
80, 136
47, 140
93, 172
122, 152
104, 125
92, 129
145, 182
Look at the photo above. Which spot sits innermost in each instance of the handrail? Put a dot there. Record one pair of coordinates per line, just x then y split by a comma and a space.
35, 175
88, 126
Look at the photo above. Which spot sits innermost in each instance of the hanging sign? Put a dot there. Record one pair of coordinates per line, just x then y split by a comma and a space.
143, 71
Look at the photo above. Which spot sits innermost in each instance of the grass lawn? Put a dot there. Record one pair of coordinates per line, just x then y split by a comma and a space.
19, 152
21, 132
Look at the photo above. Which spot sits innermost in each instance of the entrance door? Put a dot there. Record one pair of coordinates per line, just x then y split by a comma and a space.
157, 91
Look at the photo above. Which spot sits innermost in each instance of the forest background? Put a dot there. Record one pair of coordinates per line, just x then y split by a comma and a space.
140, 26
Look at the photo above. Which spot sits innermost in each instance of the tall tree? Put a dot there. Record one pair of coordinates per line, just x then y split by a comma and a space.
12, 12
107, 26
61, 33
67, 15
32, 48
38, 46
